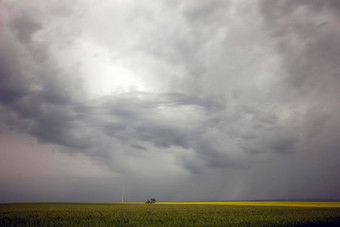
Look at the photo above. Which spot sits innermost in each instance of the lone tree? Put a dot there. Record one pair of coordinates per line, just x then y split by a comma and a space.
151, 201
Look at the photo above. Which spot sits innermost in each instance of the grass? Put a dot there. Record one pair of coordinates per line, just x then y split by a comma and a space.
168, 214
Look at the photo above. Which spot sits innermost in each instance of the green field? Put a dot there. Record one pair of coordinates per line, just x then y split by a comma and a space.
163, 214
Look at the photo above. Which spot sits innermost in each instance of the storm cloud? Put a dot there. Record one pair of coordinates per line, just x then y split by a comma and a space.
236, 99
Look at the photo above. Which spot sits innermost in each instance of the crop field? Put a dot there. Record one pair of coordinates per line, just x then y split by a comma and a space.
263, 203
171, 214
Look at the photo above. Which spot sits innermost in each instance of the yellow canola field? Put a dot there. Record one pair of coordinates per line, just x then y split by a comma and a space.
260, 203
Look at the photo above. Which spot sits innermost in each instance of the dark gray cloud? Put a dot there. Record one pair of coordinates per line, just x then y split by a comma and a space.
304, 35
24, 26
310, 59
227, 92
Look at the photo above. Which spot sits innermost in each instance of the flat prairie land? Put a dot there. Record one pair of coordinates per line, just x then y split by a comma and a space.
171, 214
264, 203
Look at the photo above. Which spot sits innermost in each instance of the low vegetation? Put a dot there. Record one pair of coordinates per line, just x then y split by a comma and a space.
263, 203
141, 214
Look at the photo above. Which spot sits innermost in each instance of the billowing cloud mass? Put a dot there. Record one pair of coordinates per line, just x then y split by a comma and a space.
179, 100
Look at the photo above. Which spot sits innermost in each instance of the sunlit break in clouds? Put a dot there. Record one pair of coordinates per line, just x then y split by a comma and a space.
187, 100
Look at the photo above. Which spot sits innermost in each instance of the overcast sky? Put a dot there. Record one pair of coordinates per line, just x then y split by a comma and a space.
181, 100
